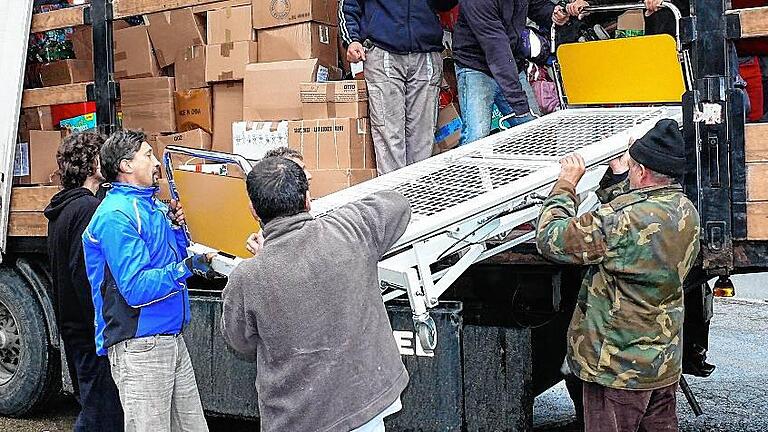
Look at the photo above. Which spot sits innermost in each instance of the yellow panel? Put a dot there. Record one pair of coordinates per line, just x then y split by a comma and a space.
217, 211
638, 70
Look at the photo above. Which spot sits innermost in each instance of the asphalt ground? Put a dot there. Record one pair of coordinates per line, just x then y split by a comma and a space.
734, 398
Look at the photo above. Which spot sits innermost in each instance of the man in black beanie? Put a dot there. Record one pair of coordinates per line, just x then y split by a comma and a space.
625, 337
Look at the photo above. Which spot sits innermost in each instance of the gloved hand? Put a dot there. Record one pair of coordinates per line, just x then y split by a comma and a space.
200, 265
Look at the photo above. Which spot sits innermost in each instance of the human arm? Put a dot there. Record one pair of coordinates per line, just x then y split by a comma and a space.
540, 12
615, 181
486, 23
350, 17
237, 324
576, 7
77, 269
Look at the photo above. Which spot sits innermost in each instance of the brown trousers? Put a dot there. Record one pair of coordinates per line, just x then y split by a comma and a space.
613, 410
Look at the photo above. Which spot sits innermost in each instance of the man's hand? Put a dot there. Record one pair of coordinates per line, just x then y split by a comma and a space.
560, 16
652, 6
176, 213
620, 165
572, 168
200, 264
255, 243
355, 52
574, 8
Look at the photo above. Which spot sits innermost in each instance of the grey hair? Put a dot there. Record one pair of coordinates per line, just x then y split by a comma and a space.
121, 145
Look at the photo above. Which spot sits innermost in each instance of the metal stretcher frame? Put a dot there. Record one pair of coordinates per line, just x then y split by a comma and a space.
464, 198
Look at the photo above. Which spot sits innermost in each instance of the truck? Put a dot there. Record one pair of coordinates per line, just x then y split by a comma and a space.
502, 320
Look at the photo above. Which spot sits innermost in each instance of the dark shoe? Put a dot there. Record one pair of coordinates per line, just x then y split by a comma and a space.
694, 362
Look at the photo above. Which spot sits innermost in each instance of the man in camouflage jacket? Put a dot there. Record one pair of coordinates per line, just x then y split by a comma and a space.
624, 340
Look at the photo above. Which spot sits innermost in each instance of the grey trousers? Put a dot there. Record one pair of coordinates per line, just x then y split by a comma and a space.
157, 387
402, 99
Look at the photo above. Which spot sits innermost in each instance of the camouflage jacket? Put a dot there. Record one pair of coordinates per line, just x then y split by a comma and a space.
638, 245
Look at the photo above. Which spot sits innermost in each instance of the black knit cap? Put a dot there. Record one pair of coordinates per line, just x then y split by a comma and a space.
661, 149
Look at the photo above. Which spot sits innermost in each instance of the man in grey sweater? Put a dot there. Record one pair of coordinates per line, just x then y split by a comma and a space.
309, 310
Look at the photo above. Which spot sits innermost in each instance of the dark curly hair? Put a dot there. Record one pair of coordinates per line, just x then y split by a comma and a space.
76, 157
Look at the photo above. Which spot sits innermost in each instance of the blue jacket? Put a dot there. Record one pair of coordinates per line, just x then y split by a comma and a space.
398, 26
134, 259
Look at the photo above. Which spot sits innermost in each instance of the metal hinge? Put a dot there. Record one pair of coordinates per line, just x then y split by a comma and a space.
732, 24
113, 91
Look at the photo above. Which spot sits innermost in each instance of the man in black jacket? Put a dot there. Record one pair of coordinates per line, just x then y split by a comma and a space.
400, 42
489, 40
68, 213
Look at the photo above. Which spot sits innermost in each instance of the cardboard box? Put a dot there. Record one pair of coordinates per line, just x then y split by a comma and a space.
299, 42
82, 42
276, 13
271, 90
337, 143
189, 68
230, 24
42, 156
325, 182
252, 139
38, 118
147, 104
448, 131
194, 109
316, 100
197, 139
317, 111
134, 57
630, 23
66, 72
226, 62
358, 109
350, 91
173, 31
227, 109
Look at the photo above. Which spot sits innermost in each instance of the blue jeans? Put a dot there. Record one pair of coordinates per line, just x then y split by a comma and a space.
477, 94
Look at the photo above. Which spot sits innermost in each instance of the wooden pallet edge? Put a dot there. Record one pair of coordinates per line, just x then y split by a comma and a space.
55, 95
62, 18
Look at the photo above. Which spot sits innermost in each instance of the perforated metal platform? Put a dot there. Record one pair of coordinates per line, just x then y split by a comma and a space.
463, 182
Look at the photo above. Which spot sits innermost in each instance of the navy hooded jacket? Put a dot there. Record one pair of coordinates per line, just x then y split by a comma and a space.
398, 26
487, 37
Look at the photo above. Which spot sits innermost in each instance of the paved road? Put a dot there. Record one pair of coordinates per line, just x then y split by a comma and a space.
734, 398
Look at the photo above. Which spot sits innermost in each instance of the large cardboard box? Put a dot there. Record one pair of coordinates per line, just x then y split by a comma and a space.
227, 109
134, 57
338, 143
271, 90
173, 31
194, 109
230, 24
276, 13
82, 42
316, 100
350, 91
226, 62
448, 131
299, 42
357, 109
197, 139
325, 182
147, 104
42, 156
190, 68
38, 118
253, 139
66, 72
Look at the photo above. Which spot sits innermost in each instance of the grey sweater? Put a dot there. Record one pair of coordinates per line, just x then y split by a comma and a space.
309, 310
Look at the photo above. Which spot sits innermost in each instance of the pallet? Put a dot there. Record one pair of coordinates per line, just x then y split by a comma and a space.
126, 8
55, 95
754, 21
62, 18
756, 155
26, 217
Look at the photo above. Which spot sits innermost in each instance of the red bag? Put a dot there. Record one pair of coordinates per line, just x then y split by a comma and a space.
751, 73
544, 89
448, 18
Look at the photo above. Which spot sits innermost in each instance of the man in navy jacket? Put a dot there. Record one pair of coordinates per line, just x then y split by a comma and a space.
489, 38
400, 42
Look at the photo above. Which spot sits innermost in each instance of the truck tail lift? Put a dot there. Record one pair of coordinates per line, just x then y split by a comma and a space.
469, 203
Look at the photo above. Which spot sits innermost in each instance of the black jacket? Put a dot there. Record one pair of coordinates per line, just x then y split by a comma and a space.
68, 214
487, 37
398, 26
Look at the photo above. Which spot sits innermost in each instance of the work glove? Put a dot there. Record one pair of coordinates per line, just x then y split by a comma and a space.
200, 265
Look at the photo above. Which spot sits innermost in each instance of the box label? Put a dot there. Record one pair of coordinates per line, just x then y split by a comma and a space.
21, 160
253, 139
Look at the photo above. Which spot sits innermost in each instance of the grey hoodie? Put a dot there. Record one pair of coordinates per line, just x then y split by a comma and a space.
309, 310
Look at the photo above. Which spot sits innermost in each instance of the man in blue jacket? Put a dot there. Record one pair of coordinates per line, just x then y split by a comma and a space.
137, 264
400, 42
489, 39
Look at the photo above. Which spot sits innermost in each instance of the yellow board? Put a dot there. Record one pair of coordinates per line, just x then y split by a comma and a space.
637, 70
217, 211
